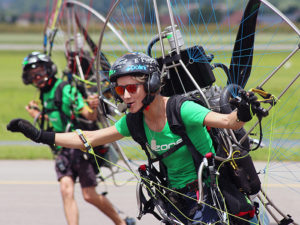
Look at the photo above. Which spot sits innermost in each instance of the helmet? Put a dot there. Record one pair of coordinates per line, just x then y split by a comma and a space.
135, 64
34, 60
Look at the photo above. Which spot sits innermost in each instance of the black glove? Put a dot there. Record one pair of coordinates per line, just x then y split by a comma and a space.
243, 104
25, 127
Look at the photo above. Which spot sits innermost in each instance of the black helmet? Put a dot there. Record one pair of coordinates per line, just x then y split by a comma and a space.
34, 60
137, 63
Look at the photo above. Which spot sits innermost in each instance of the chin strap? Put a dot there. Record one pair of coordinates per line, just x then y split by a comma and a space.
147, 101
49, 84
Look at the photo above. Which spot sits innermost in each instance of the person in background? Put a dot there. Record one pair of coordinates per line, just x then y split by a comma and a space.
62, 104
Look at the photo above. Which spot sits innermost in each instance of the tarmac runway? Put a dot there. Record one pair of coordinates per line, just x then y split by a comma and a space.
29, 195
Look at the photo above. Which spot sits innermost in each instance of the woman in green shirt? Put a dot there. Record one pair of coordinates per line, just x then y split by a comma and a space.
136, 81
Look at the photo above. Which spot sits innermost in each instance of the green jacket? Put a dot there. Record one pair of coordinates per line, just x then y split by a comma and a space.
71, 98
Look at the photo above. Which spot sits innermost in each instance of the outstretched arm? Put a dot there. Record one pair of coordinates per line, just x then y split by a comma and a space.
69, 140
247, 106
218, 120
95, 138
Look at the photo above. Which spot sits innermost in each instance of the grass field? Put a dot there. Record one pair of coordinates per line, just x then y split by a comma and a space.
15, 95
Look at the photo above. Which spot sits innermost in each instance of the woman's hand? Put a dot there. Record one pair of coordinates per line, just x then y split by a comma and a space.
26, 128
246, 104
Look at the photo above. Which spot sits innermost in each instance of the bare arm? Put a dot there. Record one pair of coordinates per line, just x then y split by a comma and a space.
95, 138
90, 111
218, 120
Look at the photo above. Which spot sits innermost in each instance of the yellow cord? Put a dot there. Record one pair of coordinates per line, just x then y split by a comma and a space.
58, 5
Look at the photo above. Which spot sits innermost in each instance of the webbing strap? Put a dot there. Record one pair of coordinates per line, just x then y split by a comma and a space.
136, 128
177, 127
58, 102
169, 152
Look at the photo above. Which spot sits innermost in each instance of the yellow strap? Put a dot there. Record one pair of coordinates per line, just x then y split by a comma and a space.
87, 145
261, 92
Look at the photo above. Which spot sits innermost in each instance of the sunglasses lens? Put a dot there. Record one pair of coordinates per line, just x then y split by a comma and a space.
131, 88
120, 90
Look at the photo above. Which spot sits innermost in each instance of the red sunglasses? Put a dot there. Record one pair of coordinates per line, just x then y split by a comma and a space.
131, 88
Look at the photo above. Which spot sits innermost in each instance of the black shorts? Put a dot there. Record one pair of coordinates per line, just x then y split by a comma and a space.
71, 162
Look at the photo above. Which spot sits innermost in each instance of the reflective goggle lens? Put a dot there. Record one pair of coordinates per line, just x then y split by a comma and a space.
131, 88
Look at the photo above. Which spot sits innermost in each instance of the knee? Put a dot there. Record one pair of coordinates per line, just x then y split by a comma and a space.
66, 193
88, 198
90, 195
67, 189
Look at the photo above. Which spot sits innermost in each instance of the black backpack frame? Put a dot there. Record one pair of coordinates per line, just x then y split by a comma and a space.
234, 184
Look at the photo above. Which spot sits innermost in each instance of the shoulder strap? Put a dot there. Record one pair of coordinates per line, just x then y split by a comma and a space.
136, 128
173, 114
43, 112
58, 101
58, 94
177, 127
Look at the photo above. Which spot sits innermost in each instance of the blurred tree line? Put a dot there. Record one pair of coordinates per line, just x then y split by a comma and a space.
12, 10
34, 10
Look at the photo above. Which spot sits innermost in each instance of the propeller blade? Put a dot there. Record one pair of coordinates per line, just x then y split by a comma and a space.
242, 55
105, 65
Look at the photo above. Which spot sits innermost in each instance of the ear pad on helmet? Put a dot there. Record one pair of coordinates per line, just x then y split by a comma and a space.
153, 84
26, 78
53, 69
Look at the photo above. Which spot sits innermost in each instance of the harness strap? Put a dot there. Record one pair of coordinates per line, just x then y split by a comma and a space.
148, 206
177, 127
251, 213
149, 177
58, 102
43, 113
169, 152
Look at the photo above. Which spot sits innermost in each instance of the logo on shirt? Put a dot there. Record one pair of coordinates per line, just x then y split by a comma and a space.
167, 146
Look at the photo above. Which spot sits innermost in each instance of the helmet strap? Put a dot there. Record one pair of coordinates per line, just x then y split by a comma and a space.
147, 101
50, 83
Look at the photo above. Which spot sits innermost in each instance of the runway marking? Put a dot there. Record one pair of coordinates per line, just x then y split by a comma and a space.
56, 182
281, 185
292, 185
29, 182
